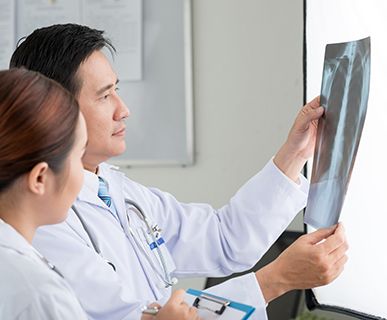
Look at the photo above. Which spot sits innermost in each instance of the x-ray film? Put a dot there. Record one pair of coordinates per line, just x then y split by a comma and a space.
344, 96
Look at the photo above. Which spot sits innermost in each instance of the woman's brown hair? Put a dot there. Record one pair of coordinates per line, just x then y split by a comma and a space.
38, 119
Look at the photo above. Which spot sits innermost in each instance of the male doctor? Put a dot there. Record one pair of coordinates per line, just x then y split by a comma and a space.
104, 247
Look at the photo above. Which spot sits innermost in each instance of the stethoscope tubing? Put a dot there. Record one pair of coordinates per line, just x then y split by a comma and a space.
166, 278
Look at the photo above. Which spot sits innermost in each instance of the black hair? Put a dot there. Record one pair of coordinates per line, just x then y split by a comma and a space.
57, 52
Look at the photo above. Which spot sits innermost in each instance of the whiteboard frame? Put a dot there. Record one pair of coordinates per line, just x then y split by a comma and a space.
189, 101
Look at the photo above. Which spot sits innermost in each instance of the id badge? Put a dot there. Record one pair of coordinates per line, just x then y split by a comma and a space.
159, 248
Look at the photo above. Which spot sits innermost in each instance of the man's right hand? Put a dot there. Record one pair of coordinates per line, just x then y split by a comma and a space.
313, 260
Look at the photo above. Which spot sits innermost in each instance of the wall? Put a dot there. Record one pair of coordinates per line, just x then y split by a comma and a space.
247, 91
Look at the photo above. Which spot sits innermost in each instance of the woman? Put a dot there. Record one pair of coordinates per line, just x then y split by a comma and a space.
43, 138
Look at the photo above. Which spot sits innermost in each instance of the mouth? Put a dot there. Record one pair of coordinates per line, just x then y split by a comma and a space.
119, 132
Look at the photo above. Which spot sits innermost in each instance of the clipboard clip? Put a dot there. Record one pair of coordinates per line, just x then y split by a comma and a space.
223, 302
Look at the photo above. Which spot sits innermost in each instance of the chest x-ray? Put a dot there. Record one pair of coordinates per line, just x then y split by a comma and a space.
344, 95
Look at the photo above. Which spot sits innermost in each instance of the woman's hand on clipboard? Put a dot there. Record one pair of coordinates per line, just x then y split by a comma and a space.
175, 308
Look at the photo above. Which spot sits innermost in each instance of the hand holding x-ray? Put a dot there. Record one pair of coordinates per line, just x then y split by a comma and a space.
300, 143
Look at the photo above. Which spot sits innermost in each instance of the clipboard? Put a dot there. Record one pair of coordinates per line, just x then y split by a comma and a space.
211, 307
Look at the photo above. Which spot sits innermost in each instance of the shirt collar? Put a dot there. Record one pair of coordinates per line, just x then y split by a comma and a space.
90, 182
89, 191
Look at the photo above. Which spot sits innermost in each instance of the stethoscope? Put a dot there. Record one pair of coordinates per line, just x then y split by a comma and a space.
49, 264
154, 233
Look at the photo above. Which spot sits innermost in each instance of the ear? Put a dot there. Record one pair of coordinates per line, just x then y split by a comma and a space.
37, 178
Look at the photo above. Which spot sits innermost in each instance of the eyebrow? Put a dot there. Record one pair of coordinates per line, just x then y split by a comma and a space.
107, 87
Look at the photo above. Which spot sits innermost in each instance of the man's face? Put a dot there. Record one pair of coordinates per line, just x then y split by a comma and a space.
103, 109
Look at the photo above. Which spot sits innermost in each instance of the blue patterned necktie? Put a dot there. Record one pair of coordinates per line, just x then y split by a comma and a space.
103, 194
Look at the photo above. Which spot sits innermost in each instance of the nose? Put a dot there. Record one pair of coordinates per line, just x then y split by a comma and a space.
122, 111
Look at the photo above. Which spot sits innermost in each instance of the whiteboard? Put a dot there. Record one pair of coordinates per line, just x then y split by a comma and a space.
160, 128
360, 289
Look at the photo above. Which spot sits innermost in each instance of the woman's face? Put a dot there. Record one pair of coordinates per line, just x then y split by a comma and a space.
66, 185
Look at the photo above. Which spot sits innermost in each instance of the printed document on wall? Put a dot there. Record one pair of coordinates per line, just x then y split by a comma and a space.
7, 32
122, 21
33, 14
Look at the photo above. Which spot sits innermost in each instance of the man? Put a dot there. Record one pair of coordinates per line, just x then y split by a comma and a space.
102, 248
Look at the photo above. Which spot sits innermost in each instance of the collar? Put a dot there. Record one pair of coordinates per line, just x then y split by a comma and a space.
13, 240
89, 191
90, 184
10, 238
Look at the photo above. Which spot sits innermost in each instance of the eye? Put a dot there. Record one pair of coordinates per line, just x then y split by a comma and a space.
105, 96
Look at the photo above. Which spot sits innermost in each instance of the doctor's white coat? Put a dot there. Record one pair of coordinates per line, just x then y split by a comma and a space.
28, 288
201, 240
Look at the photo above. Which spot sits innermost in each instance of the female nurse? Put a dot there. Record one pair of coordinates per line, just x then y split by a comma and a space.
42, 141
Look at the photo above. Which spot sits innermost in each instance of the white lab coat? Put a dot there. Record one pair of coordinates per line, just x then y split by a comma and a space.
29, 289
201, 240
